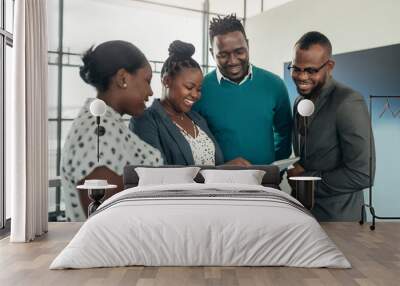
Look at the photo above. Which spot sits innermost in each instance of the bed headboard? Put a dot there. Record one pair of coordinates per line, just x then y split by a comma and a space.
271, 178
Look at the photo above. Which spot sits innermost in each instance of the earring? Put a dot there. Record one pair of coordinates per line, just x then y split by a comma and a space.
124, 85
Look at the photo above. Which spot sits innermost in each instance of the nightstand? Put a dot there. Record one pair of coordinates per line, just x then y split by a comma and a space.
96, 192
305, 189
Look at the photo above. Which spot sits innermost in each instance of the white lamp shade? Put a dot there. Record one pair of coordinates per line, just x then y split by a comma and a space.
305, 107
98, 107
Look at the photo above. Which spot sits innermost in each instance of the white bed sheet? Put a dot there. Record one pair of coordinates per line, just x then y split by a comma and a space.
200, 232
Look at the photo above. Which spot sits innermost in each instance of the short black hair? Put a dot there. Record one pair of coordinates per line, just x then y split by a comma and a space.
100, 64
223, 25
180, 57
313, 38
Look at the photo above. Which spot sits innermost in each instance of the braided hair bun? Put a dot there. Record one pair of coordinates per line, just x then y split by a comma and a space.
180, 57
179, 50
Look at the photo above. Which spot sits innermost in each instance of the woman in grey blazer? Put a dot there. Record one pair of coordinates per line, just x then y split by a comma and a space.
181, 135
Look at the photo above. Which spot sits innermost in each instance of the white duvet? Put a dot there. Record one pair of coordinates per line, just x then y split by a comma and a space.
183, 231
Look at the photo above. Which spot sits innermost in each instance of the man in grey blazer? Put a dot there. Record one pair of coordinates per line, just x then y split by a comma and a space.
337, 134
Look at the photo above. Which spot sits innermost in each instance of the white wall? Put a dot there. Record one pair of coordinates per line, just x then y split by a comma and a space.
350, 25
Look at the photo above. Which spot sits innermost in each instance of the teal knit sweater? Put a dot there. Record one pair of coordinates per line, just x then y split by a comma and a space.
252, 120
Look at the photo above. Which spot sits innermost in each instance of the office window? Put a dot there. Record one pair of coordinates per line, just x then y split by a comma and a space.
270, 4
53, 17
253, 7
9, 12
8, 78
2, 127
227, 7
6, 42
189, 4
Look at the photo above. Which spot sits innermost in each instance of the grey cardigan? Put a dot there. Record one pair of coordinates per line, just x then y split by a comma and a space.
156, 128
338, 150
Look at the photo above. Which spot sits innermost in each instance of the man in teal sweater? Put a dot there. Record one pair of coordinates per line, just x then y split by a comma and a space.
247, 108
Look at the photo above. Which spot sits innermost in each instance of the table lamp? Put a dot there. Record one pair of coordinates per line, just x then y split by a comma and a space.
305, 186
98, 109
305, 108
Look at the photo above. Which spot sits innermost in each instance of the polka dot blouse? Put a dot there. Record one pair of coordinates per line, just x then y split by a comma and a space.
203, 148
118, 147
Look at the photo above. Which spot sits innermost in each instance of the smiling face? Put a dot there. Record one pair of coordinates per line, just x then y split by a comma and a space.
184, 89
316, 57
138, 90
231, 53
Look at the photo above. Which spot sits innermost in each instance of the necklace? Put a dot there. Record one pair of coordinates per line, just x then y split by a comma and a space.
170, 110
195, 130
179, 116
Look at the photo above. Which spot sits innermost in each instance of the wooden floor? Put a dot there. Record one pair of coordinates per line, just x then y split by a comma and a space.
375, 256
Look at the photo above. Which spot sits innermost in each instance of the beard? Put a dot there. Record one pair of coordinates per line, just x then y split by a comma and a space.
315, 91
236, 77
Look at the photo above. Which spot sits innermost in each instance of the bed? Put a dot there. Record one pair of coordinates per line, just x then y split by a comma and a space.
201, 224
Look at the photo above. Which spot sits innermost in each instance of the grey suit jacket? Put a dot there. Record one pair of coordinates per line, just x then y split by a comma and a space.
156, 128
337, 150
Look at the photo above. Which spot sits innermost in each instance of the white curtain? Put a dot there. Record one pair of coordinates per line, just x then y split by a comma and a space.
26, 121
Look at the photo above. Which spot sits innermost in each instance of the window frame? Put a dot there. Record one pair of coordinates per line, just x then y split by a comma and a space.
6, 39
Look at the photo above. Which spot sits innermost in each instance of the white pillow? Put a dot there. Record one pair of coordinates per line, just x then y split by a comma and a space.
165, 176
248, 177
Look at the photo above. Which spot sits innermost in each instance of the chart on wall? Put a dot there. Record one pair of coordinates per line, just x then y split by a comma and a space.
375, 72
